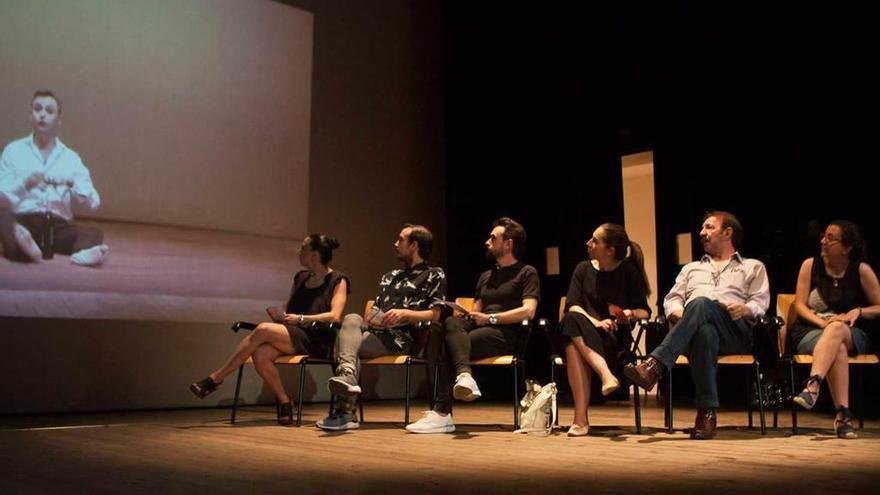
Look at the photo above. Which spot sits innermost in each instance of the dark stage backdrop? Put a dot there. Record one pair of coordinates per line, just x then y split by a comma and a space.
767, 114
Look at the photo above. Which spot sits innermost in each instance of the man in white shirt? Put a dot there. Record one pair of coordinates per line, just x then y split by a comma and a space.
714, 302
39, 176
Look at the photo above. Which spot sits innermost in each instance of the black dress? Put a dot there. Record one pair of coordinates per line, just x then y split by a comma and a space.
595, 291
315, 340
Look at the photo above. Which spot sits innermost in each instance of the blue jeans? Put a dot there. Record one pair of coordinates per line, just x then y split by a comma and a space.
704, 331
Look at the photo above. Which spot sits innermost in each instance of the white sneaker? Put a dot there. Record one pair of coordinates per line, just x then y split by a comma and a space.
432, 422
93, 256
465, 388
26, 243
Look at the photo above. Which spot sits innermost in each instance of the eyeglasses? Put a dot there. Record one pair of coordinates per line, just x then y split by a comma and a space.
829, 238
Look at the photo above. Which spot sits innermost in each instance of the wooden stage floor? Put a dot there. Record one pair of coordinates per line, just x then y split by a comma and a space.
197, 451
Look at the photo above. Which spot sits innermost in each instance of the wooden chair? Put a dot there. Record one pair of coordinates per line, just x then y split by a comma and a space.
786, 310
748, 360
302, 360
559, 360
395, 360
515, 361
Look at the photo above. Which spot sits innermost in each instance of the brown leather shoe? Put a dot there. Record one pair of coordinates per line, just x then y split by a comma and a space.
704, 425
646, 374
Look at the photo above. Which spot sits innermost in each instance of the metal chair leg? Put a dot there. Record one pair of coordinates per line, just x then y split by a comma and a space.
235, 398
794, 426
360, 401
860, 378
749, 395
434, 386
669, 400
515, 394
637, 407
760, 384
406, 398
299, 396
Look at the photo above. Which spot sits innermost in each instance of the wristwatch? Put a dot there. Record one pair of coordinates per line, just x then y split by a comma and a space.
302, 319
493, 319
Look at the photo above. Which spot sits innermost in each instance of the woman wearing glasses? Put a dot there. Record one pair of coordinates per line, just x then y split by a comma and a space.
608, 288
301, 327
834, 291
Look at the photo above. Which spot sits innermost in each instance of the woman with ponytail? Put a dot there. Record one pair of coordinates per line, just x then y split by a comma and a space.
835, 291
609, 289
301, 326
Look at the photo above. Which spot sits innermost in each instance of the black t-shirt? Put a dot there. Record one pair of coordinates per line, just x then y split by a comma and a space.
501, 289
594, 290
314, 300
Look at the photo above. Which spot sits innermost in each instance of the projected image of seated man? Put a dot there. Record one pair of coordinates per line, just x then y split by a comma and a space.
39, 179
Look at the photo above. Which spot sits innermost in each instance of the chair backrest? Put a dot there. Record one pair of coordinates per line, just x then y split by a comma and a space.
786, 310
562, 301
465, 302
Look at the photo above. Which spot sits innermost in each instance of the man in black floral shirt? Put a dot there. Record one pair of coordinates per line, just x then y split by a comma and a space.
407, 297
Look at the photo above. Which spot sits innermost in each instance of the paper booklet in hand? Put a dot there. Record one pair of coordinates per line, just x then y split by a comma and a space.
375, 316
457, 307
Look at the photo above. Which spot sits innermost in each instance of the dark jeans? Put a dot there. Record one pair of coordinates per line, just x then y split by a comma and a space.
704, 331
68, 238
458, 343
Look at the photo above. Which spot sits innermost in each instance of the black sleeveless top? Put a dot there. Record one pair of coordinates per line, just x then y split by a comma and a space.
314, 300
840, 295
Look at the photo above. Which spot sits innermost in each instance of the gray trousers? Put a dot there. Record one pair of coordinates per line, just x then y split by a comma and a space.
704, 331
354, 342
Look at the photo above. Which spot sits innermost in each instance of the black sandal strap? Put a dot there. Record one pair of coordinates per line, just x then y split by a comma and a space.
813, 379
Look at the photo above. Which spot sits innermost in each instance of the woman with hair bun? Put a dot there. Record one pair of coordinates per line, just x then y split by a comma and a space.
317, 299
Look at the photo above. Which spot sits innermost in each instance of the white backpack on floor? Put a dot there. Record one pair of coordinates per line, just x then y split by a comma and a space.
538, 413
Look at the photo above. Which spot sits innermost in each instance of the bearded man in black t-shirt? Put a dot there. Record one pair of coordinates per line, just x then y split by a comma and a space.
506, 295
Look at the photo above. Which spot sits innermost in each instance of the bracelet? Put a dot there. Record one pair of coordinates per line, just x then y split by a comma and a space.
860, 313
302, 319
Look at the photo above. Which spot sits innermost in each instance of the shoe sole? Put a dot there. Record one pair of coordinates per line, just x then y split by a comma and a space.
634, 377
701, 437
465, 394
611, 390
200, 392
346, 426
341, 388
801, 402
442, 429
197, 391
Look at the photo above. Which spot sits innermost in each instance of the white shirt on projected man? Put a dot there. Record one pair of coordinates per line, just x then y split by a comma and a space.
21, 159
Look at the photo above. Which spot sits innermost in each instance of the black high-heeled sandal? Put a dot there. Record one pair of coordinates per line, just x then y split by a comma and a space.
807, 399
285, 413
203, 387
843, 424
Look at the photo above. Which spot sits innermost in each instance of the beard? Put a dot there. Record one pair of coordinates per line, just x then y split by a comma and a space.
492, 255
